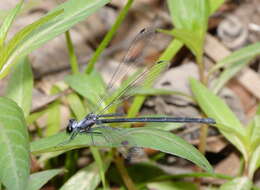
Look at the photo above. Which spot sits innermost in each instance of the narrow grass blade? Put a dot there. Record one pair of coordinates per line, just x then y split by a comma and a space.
72, 14
14, 143
254, 162
20, 85
6, 24
247, 52
227, 74
37, 180
12, 47
109, 35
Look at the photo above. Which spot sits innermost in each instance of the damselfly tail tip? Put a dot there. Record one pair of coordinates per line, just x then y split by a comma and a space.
210, 121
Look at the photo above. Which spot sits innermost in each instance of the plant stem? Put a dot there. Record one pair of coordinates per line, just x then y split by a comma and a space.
108, 37
73, 59
123, 172
100, 164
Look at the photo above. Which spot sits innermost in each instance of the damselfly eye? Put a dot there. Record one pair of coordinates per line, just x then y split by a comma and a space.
69, 128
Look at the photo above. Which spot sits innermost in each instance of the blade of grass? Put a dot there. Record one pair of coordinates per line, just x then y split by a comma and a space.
73, 58
73, 13
109, 35
226, 75
8, 22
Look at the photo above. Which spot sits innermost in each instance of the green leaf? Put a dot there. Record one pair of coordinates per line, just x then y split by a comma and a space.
190, 15
229, 72
245, 53
13, 45
14, 143
254, 132
226, 120
215, 4
242, 183
142, 137
193, 41
37, 180
6, 24
190, 18
73, 13
20, 85
254, 162
86, 178
169, 185
88, 86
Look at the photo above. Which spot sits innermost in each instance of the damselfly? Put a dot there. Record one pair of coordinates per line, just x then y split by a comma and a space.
95, 122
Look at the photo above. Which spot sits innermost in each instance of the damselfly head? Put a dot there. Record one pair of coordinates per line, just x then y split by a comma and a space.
70, 127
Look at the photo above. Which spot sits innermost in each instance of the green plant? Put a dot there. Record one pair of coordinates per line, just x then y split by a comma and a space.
190, 29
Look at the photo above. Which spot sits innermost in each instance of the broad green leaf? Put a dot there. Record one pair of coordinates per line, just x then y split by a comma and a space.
37, 180
189, 15
170, 185
11, 47
216, 108
190, 39
245, 53
76, 106
88, 86
229, 72
141, 137
14, 143
86, 178
54, 118
20, 85
242, 183
254, 162
6, 24
73, 13
190, 18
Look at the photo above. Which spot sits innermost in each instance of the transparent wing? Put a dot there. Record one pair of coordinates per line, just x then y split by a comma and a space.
127, 89
141, 44
115, 137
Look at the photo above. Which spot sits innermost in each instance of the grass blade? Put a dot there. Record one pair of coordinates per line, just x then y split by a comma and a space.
72, 14
227, 74
14, 143
8, 22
